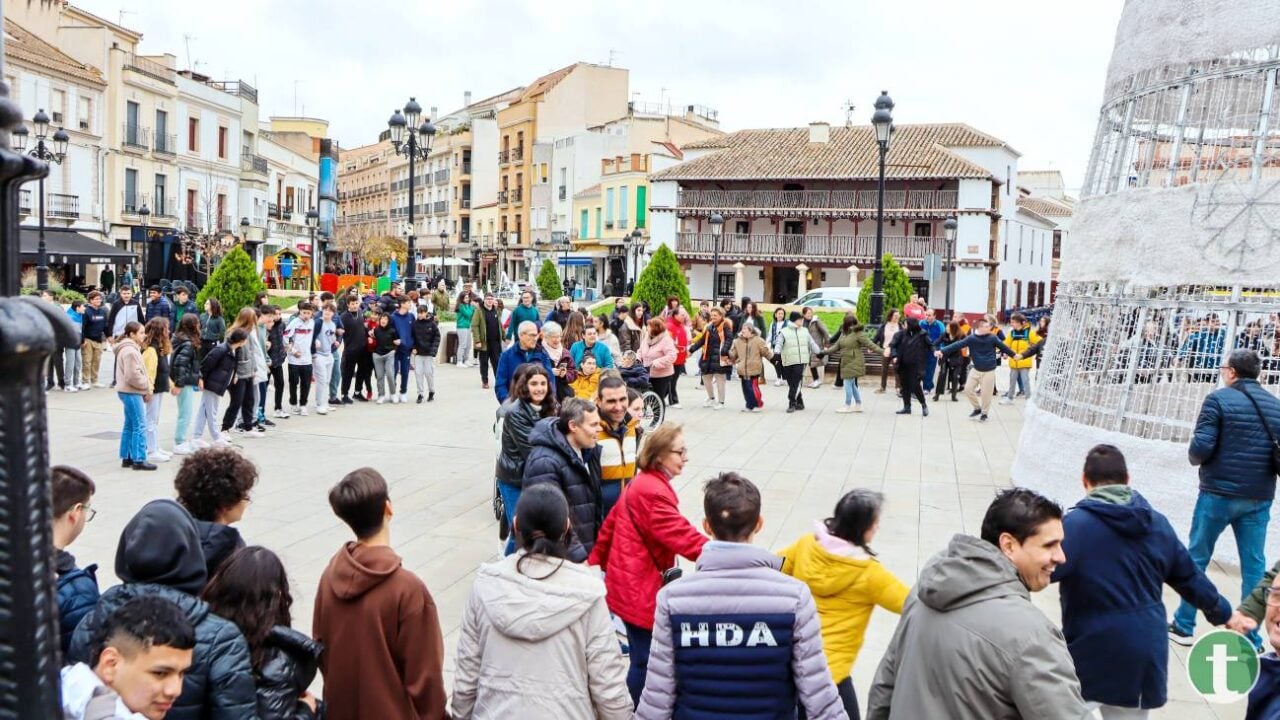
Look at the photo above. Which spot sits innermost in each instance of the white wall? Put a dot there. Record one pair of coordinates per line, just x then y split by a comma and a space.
1026, 255
484, 161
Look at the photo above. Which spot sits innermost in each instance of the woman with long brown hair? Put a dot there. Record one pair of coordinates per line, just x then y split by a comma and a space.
155, 358
134, 389
248, 363
184, 370
574, 328
531, 400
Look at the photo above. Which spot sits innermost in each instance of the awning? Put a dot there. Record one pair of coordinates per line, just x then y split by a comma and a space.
576, 261
64, 245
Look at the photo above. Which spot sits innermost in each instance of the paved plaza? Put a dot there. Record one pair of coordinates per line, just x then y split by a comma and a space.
937, 473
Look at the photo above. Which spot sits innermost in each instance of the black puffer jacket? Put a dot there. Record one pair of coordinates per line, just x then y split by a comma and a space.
426, 336
288, 667
159, 554
217, 541
519, 417
184, 365
553, 460
1231, 445
218, 369
275, 341
912, 348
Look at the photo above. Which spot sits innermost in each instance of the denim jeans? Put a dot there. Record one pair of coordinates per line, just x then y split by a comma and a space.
335, 379
133, 437
640, 640
403, 368
851, 392
1248, 521
510, 496
751, 392
1019, 381
188, 399
931, 364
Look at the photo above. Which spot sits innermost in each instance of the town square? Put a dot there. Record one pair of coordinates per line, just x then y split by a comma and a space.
639, 380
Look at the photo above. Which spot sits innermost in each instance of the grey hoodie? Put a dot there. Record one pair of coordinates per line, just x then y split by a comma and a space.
539, 648
971, 646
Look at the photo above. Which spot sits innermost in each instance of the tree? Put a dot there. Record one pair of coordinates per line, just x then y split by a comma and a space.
549, 286
235, 283
897, 290
662, 278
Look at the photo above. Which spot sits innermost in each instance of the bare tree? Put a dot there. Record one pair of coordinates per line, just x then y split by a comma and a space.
210, 239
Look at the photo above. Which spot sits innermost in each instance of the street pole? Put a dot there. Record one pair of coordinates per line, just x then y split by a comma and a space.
42, 253
882, 122
412, 258
949, 227
717, 229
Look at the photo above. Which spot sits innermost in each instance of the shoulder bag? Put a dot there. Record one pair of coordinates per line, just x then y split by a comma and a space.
1275, 446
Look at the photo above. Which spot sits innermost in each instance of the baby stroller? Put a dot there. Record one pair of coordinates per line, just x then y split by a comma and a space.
637, 378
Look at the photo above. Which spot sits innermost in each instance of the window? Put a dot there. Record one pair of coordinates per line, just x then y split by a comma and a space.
641, 193
131, 132
622, 207
543, 173
57, 105
84, 112
222, 142
131, 191
193, 135
192, 199
162, 132
160, 209
724, 285
584, 232
922, 230
608, 208
221, 220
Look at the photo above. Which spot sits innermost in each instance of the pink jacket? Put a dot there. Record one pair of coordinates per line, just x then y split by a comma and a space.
659, 356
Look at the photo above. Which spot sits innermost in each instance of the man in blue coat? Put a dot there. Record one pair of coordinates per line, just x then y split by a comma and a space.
1233, 445
1120, 553
525, 350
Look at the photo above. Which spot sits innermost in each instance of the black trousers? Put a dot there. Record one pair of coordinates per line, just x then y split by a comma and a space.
349, 362
794, 375
364, 373
673, 395
848, 698
910, 383
489, 359
661, 386
243, 401
299, 375
55, 365
277, 382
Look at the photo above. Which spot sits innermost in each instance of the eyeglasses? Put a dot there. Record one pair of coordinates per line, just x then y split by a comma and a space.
682, 452
91, 512
1273, 596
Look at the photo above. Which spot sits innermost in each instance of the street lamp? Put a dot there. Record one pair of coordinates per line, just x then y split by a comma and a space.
444, 237
415, 145
637, 240
144, 213
313, 220
882, 121
717, 229
55, 153
949, 234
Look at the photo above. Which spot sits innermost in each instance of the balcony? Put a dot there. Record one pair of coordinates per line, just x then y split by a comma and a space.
135, 137
165, 144
517, 195
150, 67
466, 167
225, 224
24, 202
253, 164
166, 207
841, 249
559, 237
440, 207
774, 200
130, 203
63, 206
442, 176
517, 154
238, 88
465, 203
504, 157
502, 197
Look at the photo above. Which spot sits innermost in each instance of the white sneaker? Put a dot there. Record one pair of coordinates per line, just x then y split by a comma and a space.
708, 403
675, 406
99, 385
843, 409
281, 414
322, 410
1006, 401
777, 383
294, 409
718, 406
757, 409
302, 411
404, 397
223, 442
857, 408
381, 399
200, 444
815, 384
255, 432
159, 456
185, 448
85, 386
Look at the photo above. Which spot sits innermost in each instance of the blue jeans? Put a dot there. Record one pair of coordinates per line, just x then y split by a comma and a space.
1248, 521
1019, 381
851, 392
639, 639
510, 496
610, 491
133, 438
402, 370
335, 380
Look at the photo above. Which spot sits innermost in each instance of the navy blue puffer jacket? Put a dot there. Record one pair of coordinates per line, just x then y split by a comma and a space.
1231, 445
77, 593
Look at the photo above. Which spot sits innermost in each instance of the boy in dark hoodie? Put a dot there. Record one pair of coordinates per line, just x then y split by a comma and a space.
426, 342
214, 485
159, 555
1120, 553
384, 652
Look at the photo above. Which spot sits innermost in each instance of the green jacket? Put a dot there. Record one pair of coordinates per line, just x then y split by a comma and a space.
465, 313
1255, 606
853, 364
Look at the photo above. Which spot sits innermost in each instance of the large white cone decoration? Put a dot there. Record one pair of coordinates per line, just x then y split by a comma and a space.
1174, 256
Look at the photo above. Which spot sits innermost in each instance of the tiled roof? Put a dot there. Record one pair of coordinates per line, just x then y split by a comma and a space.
546, 82
24, 46
917, 152
593, 191
1046, 207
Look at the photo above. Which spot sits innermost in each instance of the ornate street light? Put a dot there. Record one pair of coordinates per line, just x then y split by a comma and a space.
415, 145
882, 121
636, 241
144, 214
717, 229
56, 152
949, 234
313, 220
444, 237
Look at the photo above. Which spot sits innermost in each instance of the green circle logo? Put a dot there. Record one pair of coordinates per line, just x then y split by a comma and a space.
1223, 666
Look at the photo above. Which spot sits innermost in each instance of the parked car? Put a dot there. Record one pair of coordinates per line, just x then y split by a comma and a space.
847, 294
831, 303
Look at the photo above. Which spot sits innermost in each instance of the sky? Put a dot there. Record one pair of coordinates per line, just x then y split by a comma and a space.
1030, 73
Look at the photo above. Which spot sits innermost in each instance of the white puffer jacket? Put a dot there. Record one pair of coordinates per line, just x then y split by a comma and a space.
539, 649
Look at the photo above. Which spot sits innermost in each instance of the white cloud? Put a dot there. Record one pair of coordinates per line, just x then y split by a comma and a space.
1030, 73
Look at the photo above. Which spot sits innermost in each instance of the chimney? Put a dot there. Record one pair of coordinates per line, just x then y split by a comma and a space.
819, 132
433, 113
466, 99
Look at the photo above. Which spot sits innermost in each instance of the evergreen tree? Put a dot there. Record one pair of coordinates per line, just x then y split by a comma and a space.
235, 283
897, 290
661, 279
549, 285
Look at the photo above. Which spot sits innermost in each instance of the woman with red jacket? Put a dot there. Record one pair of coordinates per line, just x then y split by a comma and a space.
640, 540
678, 327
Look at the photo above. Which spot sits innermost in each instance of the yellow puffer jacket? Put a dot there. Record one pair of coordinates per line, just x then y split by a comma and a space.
845, 589
1020, 341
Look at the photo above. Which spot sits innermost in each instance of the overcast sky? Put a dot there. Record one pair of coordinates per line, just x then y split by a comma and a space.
1030, 73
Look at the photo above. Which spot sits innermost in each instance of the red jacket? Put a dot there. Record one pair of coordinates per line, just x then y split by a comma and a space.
635, 554
680, 335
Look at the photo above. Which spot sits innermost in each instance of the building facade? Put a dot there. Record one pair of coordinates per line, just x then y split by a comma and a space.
800, 210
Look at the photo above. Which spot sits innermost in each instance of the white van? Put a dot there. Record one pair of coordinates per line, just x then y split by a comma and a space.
831, 297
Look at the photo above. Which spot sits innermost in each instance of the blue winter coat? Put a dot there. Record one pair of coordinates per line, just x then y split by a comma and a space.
1264, 699
1230, 444
1118, 559
512, 358
77, 594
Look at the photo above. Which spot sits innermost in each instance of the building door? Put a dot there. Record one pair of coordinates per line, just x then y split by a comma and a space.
786, 283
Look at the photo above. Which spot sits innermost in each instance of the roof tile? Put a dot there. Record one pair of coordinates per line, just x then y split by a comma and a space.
23, 45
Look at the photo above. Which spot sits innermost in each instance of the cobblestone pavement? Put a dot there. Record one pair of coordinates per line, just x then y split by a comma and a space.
937, 473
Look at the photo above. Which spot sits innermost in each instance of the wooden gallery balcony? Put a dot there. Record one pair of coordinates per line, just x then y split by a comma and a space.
810, 202
826, 249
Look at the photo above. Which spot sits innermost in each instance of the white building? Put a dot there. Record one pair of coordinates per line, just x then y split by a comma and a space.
208, 179
292, 178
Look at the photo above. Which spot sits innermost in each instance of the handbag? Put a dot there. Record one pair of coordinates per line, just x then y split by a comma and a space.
1275, 446
669, 575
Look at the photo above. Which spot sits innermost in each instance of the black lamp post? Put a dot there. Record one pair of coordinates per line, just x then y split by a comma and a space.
144, 213
637, 242
50, 154
416, 146
949, 234
444, 237
717, 229
882, 121
313, 220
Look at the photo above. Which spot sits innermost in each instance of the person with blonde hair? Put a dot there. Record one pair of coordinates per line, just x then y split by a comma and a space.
156, 351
